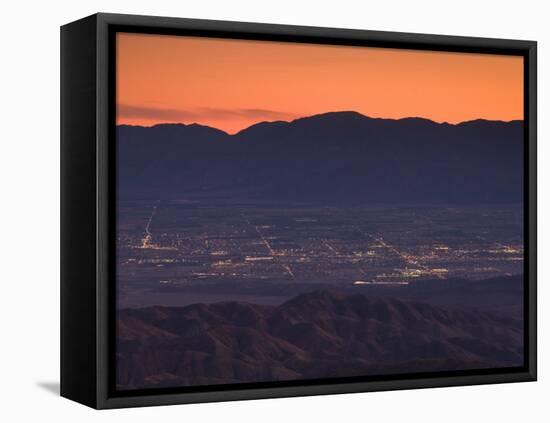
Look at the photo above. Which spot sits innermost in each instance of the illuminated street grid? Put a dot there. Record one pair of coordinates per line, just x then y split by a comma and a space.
179, 243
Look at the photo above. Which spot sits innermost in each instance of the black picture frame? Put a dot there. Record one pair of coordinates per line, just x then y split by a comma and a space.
88, 219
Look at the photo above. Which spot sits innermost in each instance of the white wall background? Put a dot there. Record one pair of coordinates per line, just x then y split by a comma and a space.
29, 209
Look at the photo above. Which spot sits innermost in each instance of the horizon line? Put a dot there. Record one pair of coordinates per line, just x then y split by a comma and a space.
316, 115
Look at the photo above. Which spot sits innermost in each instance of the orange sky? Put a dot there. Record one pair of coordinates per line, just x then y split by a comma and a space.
232, 84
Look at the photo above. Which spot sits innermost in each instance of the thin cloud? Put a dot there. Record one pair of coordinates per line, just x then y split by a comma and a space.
151, 113
126, 111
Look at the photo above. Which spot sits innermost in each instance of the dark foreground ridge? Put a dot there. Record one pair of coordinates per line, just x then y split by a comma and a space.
331, 158
321, 334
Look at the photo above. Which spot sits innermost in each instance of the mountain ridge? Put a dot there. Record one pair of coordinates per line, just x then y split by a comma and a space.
342, 112
317, 334
333, 157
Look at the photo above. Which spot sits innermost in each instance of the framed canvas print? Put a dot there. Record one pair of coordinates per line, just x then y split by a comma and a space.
255, 211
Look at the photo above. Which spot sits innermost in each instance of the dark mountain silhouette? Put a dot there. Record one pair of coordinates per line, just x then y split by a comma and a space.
329, 158
314, 335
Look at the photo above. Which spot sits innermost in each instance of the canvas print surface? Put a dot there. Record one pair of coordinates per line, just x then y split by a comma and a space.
292, 211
